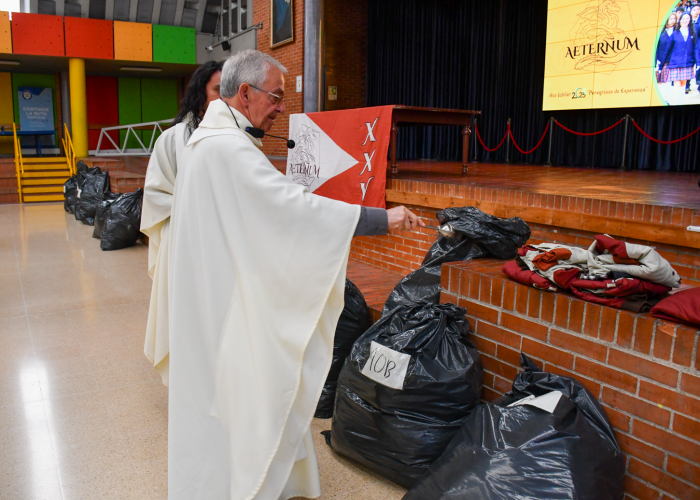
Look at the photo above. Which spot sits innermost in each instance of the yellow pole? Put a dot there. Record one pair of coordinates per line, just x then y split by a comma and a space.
78, 106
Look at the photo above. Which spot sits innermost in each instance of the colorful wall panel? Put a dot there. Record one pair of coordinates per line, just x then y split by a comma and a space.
5, 34
133, 41
102, 109
6, 113
89, 38
172, 44
129, 91
158, 102
37, 34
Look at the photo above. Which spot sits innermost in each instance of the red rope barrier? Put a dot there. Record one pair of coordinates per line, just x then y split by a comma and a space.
482, 142
663, 142
589, 133
538, 144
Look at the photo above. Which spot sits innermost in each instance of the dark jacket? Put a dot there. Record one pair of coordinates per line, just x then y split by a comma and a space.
662, 48
681, 52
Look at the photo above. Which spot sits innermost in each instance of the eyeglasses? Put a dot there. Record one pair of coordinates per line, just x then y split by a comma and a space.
278, 98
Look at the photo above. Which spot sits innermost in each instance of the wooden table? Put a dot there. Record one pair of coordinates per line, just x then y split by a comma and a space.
431, 116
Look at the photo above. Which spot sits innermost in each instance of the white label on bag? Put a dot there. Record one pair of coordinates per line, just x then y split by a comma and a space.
64, 189
547, 402
386, 366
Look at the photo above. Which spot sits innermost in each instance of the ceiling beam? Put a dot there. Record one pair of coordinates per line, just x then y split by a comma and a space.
109, 10
155, 15
133, 9
178, 12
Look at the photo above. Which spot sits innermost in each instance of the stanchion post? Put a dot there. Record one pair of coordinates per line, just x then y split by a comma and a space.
624, 143
476, 142
551, 130
508, 143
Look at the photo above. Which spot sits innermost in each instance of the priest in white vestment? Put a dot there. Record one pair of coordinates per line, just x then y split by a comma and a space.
202, 89
257, 285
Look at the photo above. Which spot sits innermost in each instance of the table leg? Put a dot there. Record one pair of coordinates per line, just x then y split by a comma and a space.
392, 144
466, 134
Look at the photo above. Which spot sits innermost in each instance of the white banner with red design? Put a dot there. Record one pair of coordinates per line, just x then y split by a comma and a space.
342, 154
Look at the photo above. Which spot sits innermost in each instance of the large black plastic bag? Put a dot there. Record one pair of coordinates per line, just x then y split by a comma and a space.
70, 194
90, 194
82, 171
524, 452
399, 433
122, 224
101, 213
476, 235
354, 321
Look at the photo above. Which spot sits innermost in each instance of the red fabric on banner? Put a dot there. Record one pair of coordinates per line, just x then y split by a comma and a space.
364, 134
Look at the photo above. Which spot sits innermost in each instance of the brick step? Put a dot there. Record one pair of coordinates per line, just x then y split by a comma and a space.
46, 166
56, 173
44, 181
44, 159
42, 197
42, 189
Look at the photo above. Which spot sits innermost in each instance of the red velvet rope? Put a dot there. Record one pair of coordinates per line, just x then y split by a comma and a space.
663, 142
589, 133
538, 144
482, 142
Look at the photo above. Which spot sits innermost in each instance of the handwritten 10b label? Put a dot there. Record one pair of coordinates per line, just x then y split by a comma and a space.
386, 366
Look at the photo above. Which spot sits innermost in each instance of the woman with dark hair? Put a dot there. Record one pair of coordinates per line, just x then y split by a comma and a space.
202, 89
662, 71
682, 56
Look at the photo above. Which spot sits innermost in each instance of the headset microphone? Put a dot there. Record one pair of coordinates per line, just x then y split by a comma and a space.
259, 133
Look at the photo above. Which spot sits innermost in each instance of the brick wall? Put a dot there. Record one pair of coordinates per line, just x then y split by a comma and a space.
644, 371
292, 56
346, 52
402, 251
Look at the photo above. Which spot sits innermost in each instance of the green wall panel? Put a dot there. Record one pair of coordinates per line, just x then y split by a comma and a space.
129, 90
172, 44
158, 102
33, 80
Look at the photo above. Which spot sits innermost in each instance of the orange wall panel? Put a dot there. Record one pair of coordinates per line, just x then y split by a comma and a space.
133, 41
5, 34
37, 34
89, 38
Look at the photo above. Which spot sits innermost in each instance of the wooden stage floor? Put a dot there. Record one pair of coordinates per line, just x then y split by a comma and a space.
671, 189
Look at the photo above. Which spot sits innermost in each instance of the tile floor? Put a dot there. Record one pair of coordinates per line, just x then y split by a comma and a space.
82, 414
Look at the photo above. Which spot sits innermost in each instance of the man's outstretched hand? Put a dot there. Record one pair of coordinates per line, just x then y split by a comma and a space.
402, 219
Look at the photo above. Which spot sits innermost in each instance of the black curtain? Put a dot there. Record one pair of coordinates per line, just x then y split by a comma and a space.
489, 56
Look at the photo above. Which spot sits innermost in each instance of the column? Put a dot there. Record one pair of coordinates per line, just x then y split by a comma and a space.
314, 33
78, 106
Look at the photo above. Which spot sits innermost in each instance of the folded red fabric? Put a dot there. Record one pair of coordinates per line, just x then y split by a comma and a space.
682, 306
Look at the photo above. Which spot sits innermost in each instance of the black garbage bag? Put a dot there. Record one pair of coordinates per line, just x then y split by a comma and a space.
524, 451
476, 235
354, 321
399, 429
91, 193
101, 213
70, 194
122, 225
82, 171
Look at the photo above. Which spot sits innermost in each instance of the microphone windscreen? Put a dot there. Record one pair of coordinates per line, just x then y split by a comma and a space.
258, 133
290, 144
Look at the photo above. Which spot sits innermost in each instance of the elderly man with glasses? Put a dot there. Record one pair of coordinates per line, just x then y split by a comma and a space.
256, 289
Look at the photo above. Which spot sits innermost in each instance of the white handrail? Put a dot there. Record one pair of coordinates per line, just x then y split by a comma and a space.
130, 129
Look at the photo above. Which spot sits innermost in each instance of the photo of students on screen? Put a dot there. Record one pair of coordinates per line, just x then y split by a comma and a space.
678, 56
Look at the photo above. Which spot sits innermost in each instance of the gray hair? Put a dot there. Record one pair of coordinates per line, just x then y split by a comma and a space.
247, 66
